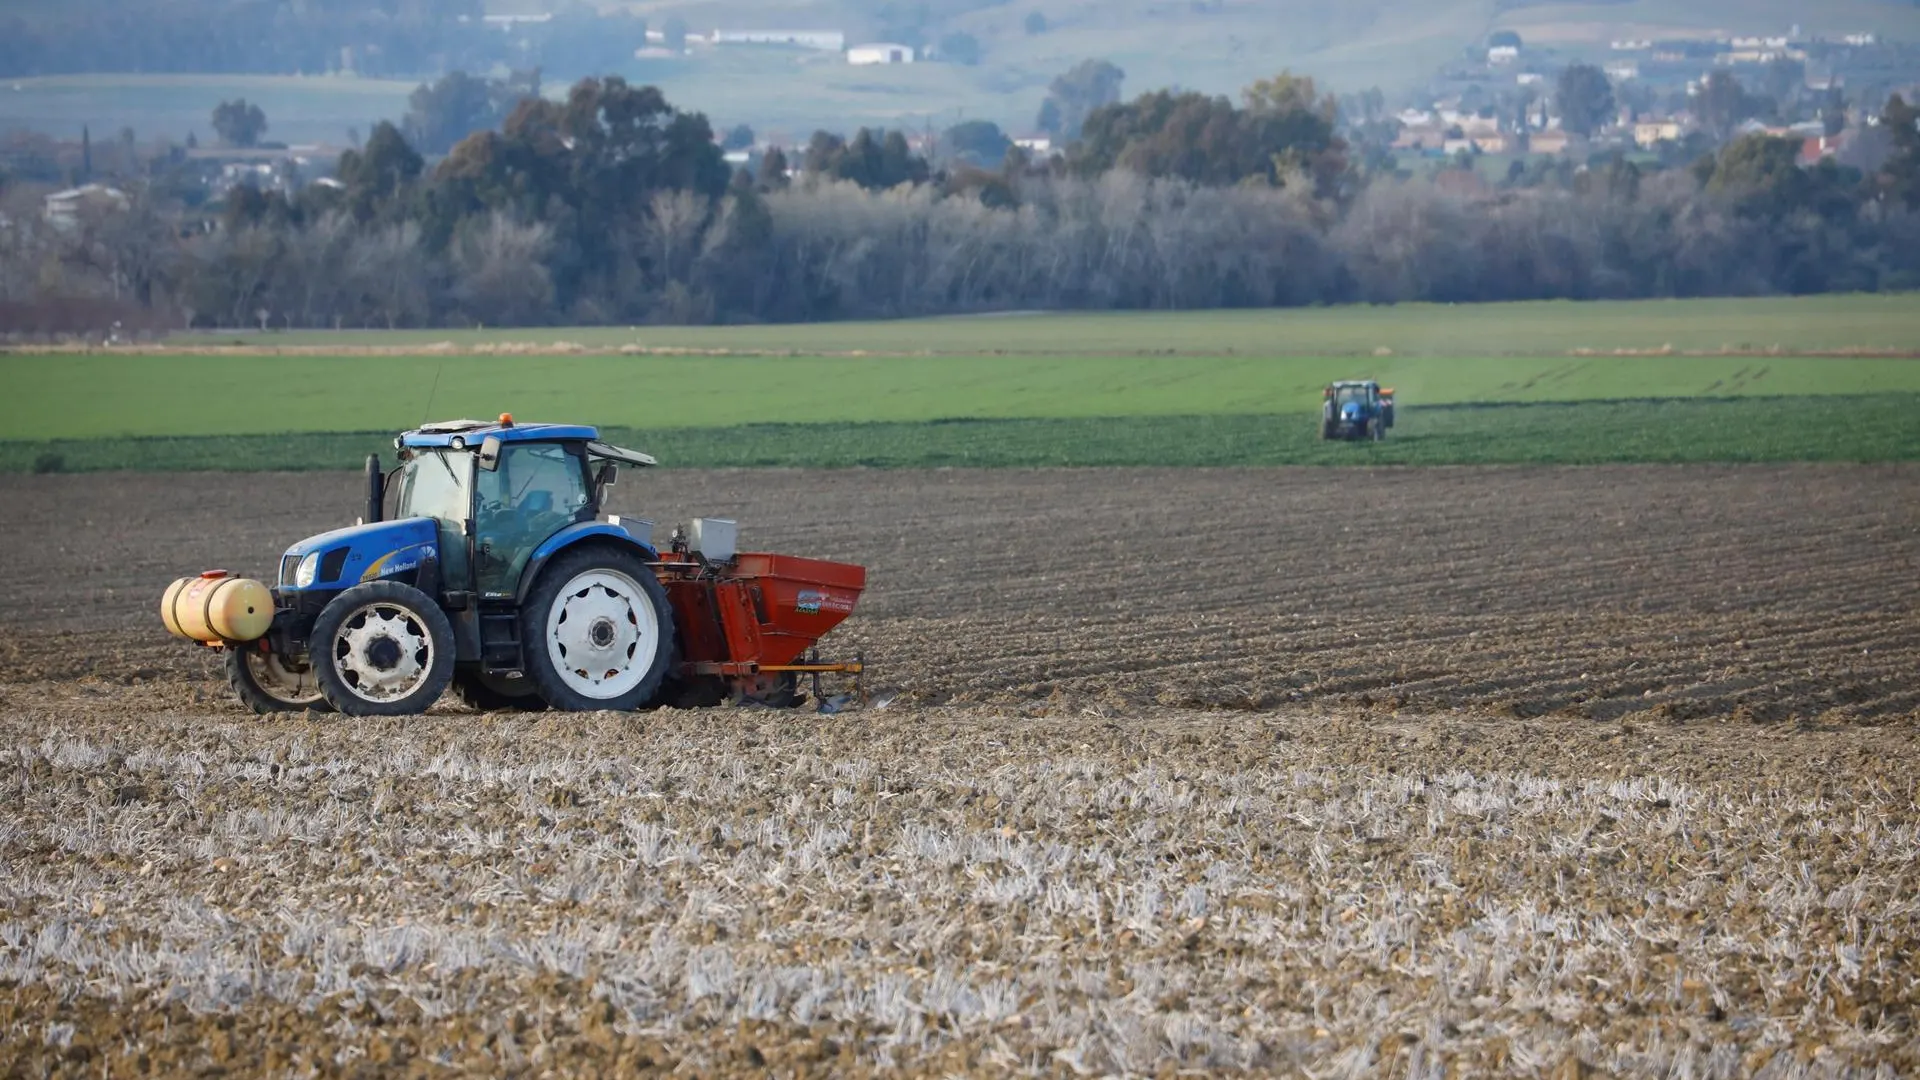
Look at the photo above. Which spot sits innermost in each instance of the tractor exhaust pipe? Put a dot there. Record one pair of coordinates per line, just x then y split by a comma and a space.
376, 489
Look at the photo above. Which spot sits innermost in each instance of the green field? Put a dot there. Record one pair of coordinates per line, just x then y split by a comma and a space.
78, 396
1176, 389
1878, 428
1784, 324
300, 109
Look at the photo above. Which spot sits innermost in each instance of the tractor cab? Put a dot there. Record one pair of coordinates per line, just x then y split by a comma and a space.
497, 492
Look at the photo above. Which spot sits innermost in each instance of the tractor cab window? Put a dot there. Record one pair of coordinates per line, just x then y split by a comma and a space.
434, 484
536, 490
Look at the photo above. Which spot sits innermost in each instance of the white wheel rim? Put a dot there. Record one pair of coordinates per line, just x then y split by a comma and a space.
383, 652
291, 685
602, 634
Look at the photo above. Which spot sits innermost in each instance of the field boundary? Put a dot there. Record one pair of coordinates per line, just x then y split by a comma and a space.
574, 348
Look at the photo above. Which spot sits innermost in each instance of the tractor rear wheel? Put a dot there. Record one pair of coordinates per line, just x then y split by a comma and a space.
486, 692
270, 684
597, 631
382, 649
1326, 430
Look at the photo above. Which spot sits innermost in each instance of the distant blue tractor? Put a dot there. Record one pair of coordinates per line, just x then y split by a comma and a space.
1356, 409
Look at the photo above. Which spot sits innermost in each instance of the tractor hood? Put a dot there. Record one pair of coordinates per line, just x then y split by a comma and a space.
346, 557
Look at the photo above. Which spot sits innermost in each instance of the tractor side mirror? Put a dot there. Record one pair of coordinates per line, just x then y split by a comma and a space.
605, 477
490, 453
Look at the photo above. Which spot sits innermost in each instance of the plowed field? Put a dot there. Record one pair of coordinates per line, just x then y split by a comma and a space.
1504, 771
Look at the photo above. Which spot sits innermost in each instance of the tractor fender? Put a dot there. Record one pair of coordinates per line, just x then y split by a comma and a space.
570, 536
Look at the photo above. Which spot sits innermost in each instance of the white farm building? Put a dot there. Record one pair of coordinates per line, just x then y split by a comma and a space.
880, 52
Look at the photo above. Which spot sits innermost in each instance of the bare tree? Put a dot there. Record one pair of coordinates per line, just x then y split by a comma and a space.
500, 274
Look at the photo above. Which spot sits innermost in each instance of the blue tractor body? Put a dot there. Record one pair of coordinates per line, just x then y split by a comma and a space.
483, 563
1356, 409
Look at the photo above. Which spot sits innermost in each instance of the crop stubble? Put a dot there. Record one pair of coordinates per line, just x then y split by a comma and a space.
1270, 769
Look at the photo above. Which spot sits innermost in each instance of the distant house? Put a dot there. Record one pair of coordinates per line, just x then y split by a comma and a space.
1623, 70
1530, 78
880, 52
1495, 143
510, 23
824, 40
1550, 141
66, 209
1037, 145
1503, 54
1815, 150
1425, 137
1648, 133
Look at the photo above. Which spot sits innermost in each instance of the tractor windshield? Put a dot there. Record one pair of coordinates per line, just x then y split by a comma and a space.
1350, 394
436, 484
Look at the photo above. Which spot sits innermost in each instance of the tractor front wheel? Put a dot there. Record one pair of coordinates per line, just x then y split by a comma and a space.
382, 649
597, 631
267, 683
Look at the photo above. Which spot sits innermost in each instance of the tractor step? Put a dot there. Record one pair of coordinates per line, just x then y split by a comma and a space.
500, 641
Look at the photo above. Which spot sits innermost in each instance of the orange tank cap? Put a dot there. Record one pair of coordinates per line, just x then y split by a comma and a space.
506, 419
210, 574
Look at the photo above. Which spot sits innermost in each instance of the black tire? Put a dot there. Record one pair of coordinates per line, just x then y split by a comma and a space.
259, 681
348, 674
485, 692
1326, 430
609, 585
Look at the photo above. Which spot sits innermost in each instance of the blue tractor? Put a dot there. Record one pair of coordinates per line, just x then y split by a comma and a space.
483, 563
1356, 409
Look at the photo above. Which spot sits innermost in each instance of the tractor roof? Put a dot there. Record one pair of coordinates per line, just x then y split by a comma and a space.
1354, 382
471, 433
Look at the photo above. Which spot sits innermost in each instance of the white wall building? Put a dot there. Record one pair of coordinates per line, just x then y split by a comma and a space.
880, 52
824, 40
65, 209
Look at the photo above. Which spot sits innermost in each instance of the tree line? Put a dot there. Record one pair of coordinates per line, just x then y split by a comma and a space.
613, 206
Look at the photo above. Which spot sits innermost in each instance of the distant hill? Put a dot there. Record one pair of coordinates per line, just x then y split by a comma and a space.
1223, 44
1016, 47
1210, 45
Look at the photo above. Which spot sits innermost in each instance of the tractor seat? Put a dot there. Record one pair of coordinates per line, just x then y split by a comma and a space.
537, 502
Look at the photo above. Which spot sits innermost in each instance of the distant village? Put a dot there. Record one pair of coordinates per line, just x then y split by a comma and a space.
1502, 102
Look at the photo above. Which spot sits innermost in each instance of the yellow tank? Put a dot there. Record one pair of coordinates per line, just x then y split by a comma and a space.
216, 606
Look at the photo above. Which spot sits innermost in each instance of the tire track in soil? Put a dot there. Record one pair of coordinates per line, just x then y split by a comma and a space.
1680, 592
